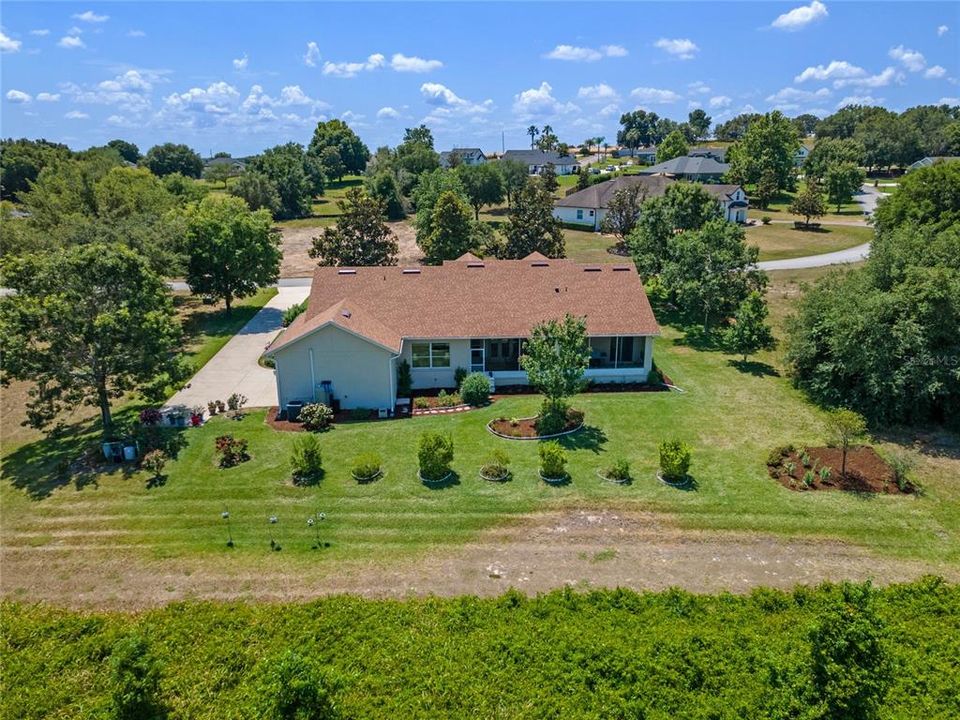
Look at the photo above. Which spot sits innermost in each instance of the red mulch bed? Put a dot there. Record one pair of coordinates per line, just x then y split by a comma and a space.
527, 427
866, 471
344, 416
282, 425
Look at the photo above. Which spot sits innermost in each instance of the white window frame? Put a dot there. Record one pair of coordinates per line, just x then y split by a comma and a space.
431, 355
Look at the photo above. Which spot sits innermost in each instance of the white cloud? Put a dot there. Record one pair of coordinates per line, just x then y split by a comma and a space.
859, 100
882, 79
48, 97
935, 72
9, 45
119, 121
800, 17
130, 91
681, 48
71, 42
40, 32
130, 80
312, 56
540, 102
610, 110
241, 63
942, 30
213, 95
136, 34
350, 69
437, 94
701, 88
654, 96
574, 53
387, 112
90, 17
720, 101
402, 63
949, 101
793, 95
293, 95
598, 93
911, 59
836, 69
447, 103
18, 96
76, 115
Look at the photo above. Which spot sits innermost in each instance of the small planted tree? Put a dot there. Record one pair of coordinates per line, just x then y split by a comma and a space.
475, 389
845, 428
553, 461
306, 460
750, 332
404, 379
135, 681
235, 403
497, 466
555, 359
808, 202
360, 236
623, 211
435, 453
154, 462
675, 456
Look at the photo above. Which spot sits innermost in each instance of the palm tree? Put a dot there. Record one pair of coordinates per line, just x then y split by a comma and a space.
532, 131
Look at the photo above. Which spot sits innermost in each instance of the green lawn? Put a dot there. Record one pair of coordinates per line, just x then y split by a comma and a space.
779, 210
325, 210
586, 246
732, 416
778, 241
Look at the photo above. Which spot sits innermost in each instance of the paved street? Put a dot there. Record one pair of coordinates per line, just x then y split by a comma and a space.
235, 368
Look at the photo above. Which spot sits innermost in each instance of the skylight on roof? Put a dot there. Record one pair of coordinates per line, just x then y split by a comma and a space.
539, 263
475, 264
621, 268
346, 271
411, 271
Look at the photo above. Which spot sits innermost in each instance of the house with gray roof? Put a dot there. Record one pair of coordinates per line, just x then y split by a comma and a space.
928, 161
685, 167
466, 156
537, 160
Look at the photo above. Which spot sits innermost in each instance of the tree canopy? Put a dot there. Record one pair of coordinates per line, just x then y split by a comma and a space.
482, 185
360, 236
532, 227
451, 235
172, 158
231, 250
87, 324
674, 145
765, 153
337, 134
285, 167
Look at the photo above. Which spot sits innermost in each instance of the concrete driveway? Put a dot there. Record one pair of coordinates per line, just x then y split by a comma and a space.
234, 369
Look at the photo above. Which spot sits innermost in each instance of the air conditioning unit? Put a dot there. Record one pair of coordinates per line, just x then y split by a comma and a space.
383, 413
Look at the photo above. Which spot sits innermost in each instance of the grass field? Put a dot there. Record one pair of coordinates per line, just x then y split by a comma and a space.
778, 241
779, 210
325, 210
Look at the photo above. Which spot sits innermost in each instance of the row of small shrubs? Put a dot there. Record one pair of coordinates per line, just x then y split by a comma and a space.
474, 389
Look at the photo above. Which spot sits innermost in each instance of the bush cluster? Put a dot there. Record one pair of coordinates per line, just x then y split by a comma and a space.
232, 451
475, 389
435, 453
553, 461
366, 466
497, 466
675, 458
306, 460
316, 416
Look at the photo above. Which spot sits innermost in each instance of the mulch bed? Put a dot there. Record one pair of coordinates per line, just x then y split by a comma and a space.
866, 471
282, 425
526, 427
344, 416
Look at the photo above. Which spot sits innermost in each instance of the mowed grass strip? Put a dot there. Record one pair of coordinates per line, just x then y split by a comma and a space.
779, 241
731, 415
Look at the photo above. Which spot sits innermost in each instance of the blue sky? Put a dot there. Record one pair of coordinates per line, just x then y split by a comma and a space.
240, 77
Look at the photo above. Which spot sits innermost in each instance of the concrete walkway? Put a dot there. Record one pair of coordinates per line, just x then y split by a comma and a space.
235, 369
840, 257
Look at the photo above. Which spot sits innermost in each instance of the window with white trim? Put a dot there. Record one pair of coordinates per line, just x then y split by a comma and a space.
430, 355
579, 214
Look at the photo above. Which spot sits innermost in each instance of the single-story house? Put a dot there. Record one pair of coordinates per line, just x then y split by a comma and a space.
701, 169
801, 155
468, 156
644, 154
235, 165
928, 161
537, 160
717, 153
362, 322
733, 200
588, 207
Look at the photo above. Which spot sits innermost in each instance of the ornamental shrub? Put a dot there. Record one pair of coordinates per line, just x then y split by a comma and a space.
553, 460
316, 416
291, 313
306, 460
675, 458
154, 462
475, 389
150, 416
232, 451
366, 466
435, 454
404, 379
619, 471
497, 465
459, 375
552, 418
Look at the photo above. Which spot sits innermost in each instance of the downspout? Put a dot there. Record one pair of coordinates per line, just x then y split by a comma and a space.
313, 377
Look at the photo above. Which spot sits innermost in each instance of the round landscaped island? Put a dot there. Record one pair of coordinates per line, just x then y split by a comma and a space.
526, 428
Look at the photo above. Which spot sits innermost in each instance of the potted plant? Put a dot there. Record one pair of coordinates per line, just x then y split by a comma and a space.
212, 407
619, 472
366, 467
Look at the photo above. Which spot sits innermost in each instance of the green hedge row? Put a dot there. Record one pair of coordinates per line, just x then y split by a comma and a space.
834, 651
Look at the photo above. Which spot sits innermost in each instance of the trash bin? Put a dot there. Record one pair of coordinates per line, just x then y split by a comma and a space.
129, 452
293, 410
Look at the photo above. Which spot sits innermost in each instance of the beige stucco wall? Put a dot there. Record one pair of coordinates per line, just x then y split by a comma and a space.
362, 373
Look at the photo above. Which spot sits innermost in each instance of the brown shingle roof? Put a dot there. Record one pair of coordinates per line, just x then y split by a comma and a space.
600, 195
470, 298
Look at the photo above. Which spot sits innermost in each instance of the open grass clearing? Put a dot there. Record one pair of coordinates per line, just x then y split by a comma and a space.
779, 209
324, 210
779, 241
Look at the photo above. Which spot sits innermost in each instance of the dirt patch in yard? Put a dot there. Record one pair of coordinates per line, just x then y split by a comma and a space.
583, 548
818, 468
297, 241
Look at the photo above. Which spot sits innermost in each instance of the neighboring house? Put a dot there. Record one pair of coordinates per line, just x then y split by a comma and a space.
717, 153
536, 160
237, 166
733, 200
361, 323
468, 156
646, 155
588, 207
800, 156
928, 161
702, 169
